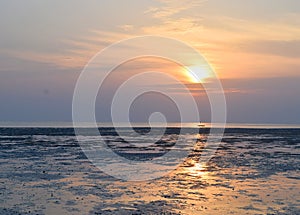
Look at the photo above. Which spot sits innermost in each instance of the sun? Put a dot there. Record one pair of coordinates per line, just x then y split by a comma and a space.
197, 74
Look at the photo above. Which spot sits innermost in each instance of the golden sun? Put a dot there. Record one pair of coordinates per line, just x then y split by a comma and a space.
197, 74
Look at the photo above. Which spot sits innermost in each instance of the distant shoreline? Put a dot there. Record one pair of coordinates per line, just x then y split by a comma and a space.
109, 125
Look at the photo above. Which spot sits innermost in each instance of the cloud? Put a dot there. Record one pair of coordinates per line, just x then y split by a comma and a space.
290, 49
234, 46
74, 54
171, 8
174, 27
127, 27
61, 61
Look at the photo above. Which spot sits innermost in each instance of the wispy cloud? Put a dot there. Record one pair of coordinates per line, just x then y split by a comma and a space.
127, 27
62, 61
75, 53
284, 48
234, 46
170, 8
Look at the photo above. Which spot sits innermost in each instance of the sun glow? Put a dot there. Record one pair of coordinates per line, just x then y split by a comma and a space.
197, 74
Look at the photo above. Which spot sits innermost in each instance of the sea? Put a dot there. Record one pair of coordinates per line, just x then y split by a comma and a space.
255, 169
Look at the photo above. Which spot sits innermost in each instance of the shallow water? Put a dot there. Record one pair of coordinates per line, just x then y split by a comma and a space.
254, 171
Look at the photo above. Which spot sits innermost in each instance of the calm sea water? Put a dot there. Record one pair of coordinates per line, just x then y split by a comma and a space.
254, 171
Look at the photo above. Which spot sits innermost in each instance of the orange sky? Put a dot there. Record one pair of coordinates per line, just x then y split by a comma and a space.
44, 46
239, 42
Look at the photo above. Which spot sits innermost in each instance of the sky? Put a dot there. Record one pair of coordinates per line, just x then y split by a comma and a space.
253, 47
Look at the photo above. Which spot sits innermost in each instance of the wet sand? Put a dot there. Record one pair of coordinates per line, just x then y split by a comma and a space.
255, 171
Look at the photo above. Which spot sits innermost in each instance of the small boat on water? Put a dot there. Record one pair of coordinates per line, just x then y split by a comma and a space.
201, 125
